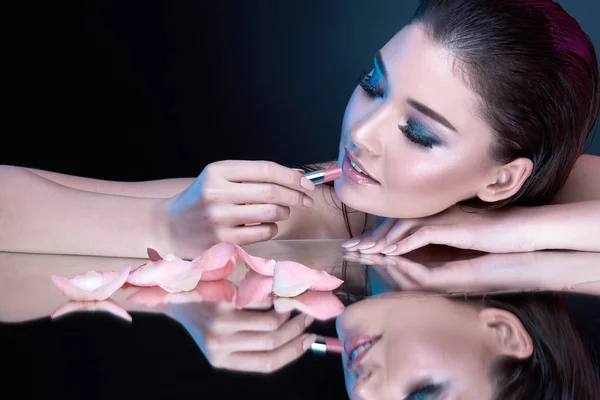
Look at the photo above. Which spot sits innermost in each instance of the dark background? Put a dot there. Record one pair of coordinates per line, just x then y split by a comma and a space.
137, 90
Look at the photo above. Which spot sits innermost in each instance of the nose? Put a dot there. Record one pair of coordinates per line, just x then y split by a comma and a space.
367, 134
366, 387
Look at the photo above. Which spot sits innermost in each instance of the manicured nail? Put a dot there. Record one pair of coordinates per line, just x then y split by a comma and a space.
308, 320
350, 243
307, 184
366, 245
308, 202
308, 341
389, 249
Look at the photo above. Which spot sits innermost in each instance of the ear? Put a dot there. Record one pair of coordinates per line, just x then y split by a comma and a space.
506, 333
506, 180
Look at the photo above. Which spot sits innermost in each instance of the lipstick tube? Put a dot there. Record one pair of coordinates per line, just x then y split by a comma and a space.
324, 175
323, 345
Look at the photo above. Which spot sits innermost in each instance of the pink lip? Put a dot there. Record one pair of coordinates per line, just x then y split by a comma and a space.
354, 176
353, 343
359, 163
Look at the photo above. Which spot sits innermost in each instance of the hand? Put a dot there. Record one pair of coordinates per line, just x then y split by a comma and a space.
237, 202
244, 340
502, 231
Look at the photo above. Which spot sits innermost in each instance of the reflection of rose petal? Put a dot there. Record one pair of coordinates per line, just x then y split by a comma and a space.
292, 278
182, 298
253, 289
262, 266
320, 305
148, 296
214, 291
91, 285
92, 306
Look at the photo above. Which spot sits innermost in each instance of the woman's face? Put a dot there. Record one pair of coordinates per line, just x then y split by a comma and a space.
428, 347
414, 126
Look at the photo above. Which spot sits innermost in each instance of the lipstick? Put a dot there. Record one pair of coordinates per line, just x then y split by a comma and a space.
324, 175
323, 345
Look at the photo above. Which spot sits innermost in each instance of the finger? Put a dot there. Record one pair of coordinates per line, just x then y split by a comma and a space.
369, 239
265, 171
399, 232
265, 193
366, 259
270, 361
242, 235
266, 341
401, 268
426, 235
235, 215
244, 320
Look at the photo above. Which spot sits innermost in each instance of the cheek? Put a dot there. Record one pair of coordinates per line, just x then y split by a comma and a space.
411, 169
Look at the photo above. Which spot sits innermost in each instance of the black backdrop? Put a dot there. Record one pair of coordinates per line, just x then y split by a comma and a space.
134, 90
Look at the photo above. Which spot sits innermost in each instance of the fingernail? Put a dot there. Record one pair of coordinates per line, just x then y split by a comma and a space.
307, 201
366, 245
308, 341
389, 249
307, 184
350, 243
308, 320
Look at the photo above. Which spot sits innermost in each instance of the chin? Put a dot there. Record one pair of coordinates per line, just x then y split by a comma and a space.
349, 196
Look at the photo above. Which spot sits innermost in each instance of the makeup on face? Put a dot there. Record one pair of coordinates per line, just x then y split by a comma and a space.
324, 345
324, 175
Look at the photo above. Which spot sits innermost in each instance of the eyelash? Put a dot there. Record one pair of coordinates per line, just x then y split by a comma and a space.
426, 392
408, 130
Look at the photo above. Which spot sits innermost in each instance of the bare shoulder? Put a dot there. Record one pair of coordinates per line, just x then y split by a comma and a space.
583, 183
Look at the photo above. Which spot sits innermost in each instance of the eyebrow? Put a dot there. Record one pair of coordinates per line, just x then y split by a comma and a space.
420, 107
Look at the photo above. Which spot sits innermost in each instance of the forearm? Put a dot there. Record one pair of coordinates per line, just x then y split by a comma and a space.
574, 226
41, 216
158, 189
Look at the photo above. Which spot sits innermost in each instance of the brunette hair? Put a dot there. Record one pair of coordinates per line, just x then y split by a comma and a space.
561, 367
536, 72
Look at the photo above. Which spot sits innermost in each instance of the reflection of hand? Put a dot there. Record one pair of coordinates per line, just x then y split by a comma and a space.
541, 270
503, 231
244, 340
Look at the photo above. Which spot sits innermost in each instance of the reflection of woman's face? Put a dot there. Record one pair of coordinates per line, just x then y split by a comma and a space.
417, 132
428, 347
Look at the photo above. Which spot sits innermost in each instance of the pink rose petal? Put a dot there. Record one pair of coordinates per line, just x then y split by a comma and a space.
262, 266
91, 285
253, 289
292, 278
185, 281
153, 254
109, 306
150, 273
218, 262
320, 305
174, 274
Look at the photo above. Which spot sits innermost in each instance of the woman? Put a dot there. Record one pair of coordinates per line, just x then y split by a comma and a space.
479, 103
503, 347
